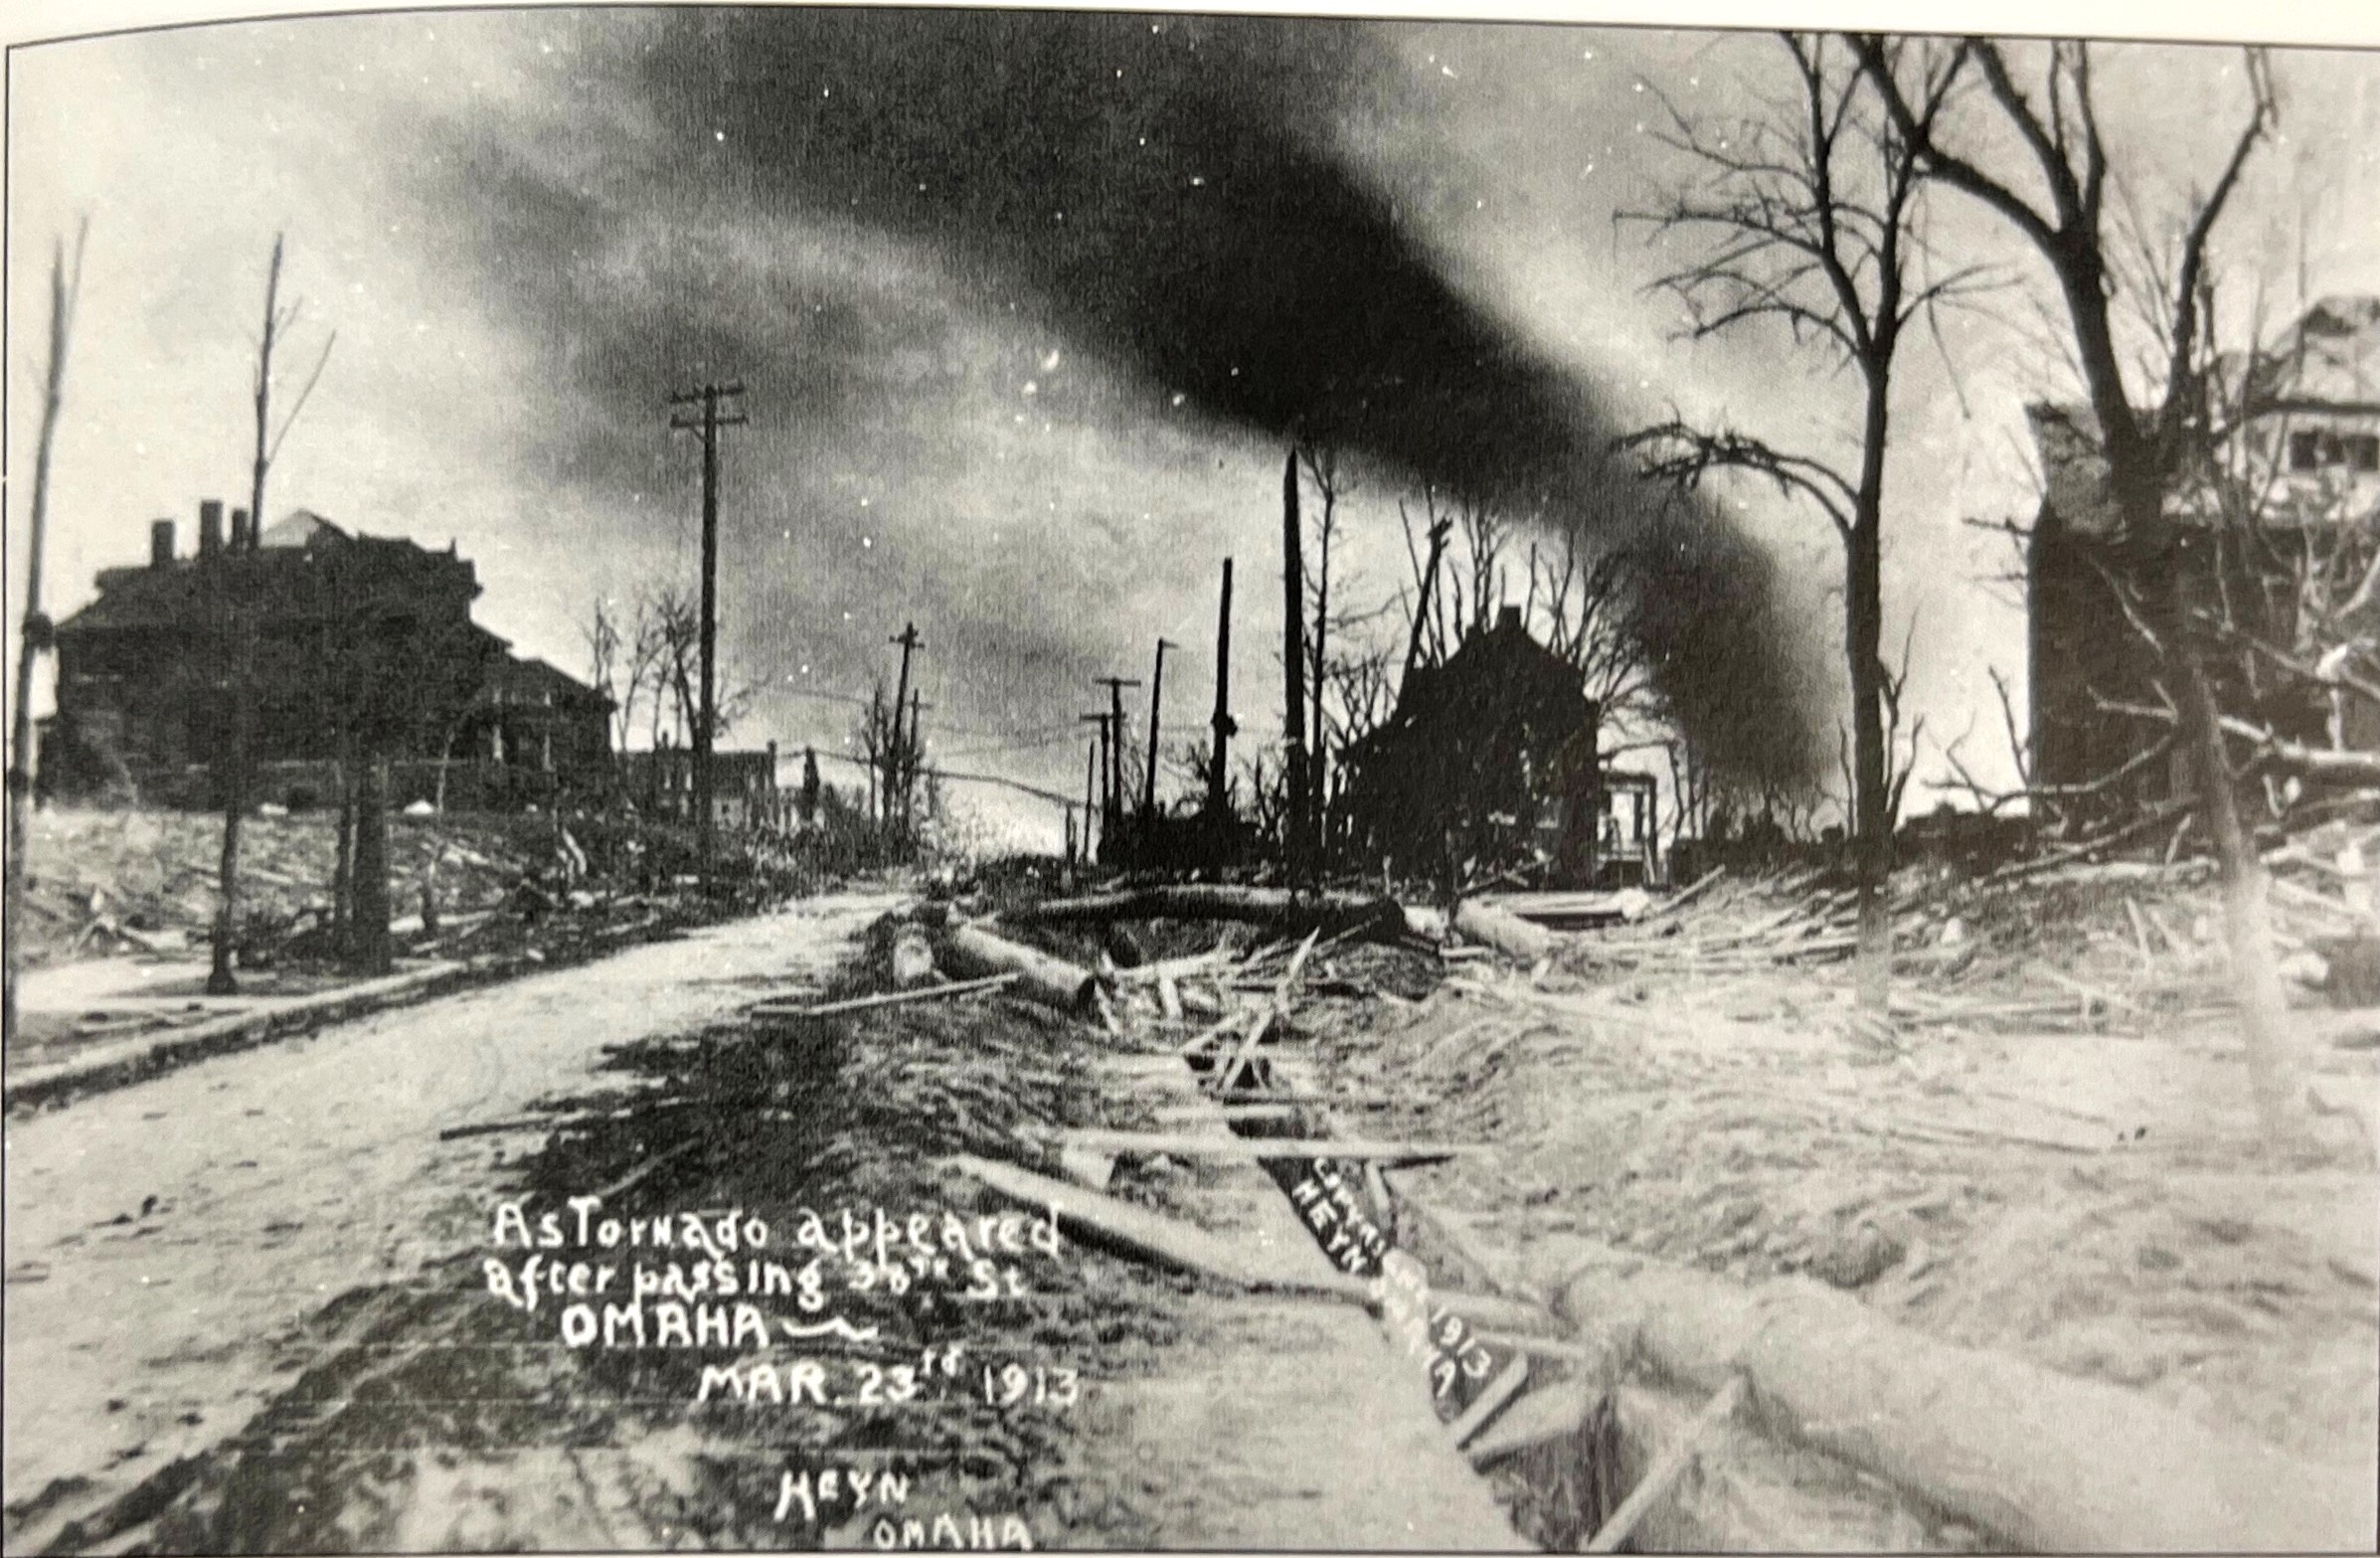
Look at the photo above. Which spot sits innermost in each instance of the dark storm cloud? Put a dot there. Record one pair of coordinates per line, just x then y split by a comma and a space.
1165, 191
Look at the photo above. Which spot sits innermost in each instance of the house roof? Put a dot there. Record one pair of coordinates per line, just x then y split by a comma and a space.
2330, 357
519, 673
283, 580
2328, 361
299, 528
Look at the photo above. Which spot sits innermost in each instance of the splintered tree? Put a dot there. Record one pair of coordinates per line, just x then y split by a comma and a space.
236, 629
1807, 216
2064, 197
1323, 469
1296, 819
66, 284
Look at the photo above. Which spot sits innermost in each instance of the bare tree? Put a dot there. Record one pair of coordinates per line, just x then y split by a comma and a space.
1422, 615
239, 628
882, 737
65, 287
1809, 217
1323, 473
2059, 203
1586, 611
669, 647
605, 649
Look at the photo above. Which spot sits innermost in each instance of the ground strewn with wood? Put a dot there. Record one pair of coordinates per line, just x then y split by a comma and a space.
1669, 1157
2049, 1156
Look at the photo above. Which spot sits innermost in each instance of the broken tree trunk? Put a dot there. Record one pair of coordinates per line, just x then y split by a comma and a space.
369, 952
1051, 980
1507, 933
2046, 1461
1330, 913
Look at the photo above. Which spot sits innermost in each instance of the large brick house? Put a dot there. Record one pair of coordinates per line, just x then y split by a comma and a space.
353, 644
2278, 535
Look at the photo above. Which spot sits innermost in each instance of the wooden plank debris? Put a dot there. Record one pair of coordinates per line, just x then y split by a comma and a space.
773, 1012
1493, 1400
1275, 907
1663, 1473
1544, 1414
1159, 1237
1141, 1144
1185, 1245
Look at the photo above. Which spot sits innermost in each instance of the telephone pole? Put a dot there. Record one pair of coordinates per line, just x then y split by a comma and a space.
710, 397
1095, 773
917, 761
1156, 700
1115, 735
896, 768
1293, 833
1225, 727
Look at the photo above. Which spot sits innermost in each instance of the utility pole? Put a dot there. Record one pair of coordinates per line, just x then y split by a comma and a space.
917, 761
896, 767
1095, 763
1292, 583
1115, 735
709, 396
1224, 725
1156, 700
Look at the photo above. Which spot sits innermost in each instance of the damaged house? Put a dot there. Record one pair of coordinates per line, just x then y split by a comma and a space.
354, 644
1489, 756
2277, 534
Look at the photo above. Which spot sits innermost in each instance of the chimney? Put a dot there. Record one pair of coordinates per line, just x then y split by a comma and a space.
243, 537
1508, 620
210, 526
161, 543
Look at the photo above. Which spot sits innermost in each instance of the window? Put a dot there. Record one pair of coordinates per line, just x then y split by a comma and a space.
2314, 449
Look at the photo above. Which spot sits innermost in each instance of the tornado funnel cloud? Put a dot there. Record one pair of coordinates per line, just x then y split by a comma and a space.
1169, 190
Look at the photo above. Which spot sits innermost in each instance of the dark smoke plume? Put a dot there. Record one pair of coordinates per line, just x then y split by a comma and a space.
1166, 190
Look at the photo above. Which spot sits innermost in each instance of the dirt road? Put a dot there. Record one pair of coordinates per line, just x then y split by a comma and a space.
168, 1242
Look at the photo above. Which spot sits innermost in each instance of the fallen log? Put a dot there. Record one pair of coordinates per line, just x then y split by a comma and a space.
1278, 907
1051, 980
1185, 1245
1508, 934
2045, 1461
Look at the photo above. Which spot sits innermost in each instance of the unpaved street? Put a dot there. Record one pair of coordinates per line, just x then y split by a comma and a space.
167, 1242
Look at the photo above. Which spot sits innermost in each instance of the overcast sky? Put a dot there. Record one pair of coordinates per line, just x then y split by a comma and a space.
527, 228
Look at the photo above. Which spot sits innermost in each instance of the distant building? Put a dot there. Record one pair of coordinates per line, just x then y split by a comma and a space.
743, 789
1492, 755
2306, 445
533, 732
355, 643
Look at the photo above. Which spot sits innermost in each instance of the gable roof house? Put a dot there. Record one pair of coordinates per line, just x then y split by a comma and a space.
1491, 754
2274, 536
